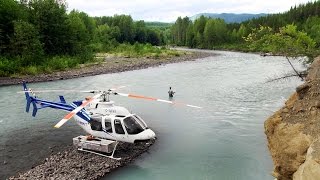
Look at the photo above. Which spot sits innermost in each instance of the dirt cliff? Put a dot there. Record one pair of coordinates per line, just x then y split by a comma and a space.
293, 131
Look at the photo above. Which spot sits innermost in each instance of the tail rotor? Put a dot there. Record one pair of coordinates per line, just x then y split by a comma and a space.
30, 99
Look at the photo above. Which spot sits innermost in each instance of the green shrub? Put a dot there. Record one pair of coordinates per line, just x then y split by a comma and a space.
30, 70
8, 67
143, 50
47, 69
58, 63
96, 47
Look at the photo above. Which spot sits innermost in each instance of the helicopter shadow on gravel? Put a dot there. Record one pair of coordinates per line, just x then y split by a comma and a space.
26, 147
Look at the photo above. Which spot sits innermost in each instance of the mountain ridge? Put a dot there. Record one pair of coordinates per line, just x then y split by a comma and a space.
229, 17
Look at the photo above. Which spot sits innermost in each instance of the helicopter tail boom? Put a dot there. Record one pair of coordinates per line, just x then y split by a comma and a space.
41, 104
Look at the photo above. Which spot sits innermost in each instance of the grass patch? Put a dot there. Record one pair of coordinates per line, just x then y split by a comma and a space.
12, 67
138, 50
9, 66
30, 70
16, 66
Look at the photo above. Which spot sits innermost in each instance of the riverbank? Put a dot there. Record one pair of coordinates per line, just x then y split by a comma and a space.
110, 64
72, 164
293, 132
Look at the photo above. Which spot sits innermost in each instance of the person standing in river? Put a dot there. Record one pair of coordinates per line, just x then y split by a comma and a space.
171, 92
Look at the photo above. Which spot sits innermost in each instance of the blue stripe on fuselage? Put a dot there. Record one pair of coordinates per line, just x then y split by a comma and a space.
82, 113
63, 106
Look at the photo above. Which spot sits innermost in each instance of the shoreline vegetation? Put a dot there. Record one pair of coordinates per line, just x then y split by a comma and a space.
106, 63
40, 38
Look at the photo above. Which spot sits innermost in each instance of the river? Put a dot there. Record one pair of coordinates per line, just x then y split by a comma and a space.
224, 140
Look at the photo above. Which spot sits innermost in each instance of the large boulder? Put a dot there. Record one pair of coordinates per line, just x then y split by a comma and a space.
314, 70
310, 169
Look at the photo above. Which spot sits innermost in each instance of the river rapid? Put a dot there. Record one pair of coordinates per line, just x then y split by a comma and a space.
223, 140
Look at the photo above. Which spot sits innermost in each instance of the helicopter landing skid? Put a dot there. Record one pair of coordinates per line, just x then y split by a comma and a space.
96, 146
100, 154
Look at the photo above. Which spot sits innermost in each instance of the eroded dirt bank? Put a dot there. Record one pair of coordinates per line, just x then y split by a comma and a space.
293, 132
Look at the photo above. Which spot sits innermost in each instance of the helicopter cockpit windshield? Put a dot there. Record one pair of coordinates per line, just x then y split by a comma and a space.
132, 125
142, 123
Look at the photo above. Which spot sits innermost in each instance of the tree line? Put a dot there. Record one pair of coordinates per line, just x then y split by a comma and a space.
41, 32
216, 33
41, 36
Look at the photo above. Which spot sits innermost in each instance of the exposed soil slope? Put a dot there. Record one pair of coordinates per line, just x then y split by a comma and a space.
293, 131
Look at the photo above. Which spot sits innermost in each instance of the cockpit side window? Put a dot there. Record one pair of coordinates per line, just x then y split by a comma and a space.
132, 126
118, 127
108, 125
95, 123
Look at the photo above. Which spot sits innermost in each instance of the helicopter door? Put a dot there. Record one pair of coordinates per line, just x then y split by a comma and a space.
106, 128
118, 129
106, 125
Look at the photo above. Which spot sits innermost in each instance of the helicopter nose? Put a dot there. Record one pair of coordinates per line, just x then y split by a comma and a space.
149, 134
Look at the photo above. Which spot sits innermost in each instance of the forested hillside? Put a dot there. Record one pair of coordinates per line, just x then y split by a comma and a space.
216, 33
228, 17
39, 36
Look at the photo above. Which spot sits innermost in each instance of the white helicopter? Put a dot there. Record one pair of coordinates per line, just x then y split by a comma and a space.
98, 116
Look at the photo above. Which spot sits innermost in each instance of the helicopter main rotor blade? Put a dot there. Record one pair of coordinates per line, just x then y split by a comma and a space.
75, 111
54, 90
116, 88
70, 90
155, 99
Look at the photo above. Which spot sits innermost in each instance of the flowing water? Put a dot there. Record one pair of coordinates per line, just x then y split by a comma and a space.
224, 140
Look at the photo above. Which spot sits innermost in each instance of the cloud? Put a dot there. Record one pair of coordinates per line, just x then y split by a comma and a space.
169, 10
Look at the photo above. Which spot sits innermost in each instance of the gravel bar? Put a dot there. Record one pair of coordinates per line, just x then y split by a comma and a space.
73, 164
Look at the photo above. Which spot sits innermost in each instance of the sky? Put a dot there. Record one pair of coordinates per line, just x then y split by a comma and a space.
170, 10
